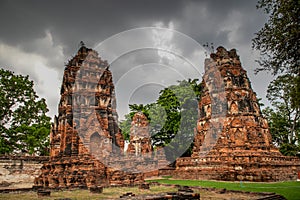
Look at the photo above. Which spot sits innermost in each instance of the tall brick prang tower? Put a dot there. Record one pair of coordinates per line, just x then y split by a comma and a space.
85, 133
232, 139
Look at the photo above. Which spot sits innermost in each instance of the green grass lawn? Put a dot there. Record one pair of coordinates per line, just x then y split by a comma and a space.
289, 189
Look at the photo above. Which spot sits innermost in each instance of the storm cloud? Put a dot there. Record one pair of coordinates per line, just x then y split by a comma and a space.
38, 37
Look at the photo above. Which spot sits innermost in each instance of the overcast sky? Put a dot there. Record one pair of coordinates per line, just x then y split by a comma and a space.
38, 37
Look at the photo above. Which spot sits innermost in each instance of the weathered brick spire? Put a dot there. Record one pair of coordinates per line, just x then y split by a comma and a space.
232, 139
86, 107
85, 133
230, 117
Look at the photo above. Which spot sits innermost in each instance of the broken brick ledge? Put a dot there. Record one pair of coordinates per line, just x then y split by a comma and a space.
25, 158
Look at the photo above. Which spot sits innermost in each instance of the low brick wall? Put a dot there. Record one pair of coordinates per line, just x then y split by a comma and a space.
20, 171
166, 171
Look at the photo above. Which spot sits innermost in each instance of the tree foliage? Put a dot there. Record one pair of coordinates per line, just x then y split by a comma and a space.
279, 40
165, 115
178, 100
125, 125
24, 126
284, 116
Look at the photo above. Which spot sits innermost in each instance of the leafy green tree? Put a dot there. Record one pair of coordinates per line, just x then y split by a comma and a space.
284, 116
279, 40
134, 108
180, 103
24, 126
165, 116
169, 101
125, 125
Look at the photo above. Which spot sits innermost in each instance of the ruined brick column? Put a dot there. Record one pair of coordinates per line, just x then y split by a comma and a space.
140, 139
140, 156
232, 139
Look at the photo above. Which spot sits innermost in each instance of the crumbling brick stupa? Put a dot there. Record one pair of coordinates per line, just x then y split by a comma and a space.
140, 138
85, 132
232, 139
140, 157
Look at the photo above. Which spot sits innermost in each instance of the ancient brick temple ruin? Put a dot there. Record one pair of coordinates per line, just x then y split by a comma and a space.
140, 138
85, 132
232, 139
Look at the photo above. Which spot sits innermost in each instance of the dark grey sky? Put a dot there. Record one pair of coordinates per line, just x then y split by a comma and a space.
38, 37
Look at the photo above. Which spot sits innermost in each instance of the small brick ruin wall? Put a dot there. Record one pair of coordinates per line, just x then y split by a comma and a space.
20, 171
